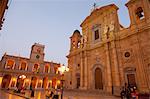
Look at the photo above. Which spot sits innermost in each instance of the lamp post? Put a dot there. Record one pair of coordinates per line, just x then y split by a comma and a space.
62, 69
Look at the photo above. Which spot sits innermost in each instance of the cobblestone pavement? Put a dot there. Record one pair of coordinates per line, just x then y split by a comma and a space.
69, 94
4, 95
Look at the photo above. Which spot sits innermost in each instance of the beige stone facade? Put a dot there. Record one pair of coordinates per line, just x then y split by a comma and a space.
106, 55
16, 71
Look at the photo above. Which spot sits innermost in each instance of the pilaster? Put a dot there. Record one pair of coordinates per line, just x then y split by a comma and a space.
108, 68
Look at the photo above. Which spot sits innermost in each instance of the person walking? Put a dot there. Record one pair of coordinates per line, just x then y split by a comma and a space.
127, 91
32, 91
122, 93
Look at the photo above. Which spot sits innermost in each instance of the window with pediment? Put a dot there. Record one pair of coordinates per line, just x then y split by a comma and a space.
23, 66
96, 32
9, 64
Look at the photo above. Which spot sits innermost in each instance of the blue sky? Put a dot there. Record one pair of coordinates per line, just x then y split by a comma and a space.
48, 22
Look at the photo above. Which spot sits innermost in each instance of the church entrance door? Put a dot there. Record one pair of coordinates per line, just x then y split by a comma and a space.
131, 79
98, 79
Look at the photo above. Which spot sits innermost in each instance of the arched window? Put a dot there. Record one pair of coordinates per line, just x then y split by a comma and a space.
140, 13
9, 64
47, 68
36, 68
23, 66
79, 44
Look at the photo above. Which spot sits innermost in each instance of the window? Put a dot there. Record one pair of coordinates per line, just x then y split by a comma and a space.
127, 54
96, 34
46, 68
79, 44
10, 64
36, 68
140, 13
74, 44
23, 66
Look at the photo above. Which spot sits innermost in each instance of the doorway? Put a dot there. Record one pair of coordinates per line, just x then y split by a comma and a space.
98, 79
45, 81
33, 82
78, 83
6, 81
131, 79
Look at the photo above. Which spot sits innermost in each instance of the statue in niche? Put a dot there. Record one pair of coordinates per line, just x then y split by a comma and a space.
85, 39
111, 26
106, 31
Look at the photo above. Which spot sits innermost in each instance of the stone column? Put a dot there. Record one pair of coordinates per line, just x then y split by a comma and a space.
29, 82
85, 71
81, 72
10, 83
116, 71
108, 70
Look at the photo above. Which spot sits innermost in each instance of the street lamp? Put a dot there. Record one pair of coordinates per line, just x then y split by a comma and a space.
62, 69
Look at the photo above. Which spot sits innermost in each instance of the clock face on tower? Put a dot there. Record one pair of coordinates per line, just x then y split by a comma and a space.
37, 56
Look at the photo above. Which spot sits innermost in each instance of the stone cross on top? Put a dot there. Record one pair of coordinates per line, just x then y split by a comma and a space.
94, 6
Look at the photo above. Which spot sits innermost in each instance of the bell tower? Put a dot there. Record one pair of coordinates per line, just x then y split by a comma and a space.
37, 52
75, 40
139, 11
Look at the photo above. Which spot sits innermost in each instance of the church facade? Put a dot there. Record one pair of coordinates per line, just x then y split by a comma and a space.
17, 72
106, 55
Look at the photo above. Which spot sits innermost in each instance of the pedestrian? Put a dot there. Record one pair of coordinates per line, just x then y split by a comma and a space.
134, 94
32, 91
127, 91
122, 93
49, 94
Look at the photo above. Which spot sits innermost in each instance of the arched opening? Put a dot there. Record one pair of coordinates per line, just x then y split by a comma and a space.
45, 82
10, 64
6, 81
20, 81
54, 82
98, 79
46, 68
36, 68
33, 82
23, 66
140, 13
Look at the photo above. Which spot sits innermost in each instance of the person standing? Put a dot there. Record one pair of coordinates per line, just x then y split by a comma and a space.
32, 91
127, 91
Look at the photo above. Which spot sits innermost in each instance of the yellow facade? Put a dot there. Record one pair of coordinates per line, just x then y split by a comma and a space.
17, 72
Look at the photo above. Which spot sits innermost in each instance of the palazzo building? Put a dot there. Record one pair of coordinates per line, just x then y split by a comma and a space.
16, 71
3, 7
106, 55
